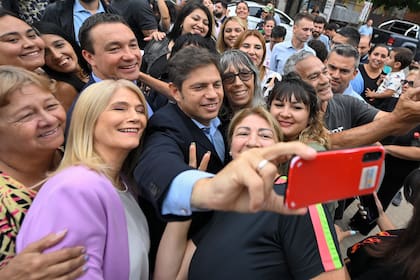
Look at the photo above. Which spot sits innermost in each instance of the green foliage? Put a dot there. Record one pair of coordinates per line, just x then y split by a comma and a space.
413, 5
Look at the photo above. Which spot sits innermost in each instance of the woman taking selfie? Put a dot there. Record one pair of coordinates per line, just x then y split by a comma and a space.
262, 245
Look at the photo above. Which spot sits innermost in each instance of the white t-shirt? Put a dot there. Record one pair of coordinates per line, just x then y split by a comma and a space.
138, 237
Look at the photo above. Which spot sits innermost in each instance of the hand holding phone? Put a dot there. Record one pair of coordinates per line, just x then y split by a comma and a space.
370, 207
334, 175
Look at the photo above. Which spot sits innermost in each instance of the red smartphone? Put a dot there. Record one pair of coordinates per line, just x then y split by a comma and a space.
333, 175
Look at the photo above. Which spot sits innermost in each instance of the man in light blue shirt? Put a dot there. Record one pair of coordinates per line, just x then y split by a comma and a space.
302, 31
367, 29
197, 88
70, 14
317, 32
83, 9
351, 92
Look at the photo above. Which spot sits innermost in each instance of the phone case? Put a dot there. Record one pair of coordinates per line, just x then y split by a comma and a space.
333, 175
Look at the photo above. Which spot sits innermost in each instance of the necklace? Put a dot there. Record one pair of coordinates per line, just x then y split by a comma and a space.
122, 184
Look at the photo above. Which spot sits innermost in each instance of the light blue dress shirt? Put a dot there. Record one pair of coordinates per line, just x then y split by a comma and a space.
214, 135
349, 91
281, 52
324, 39
80, 14
366, 30
178, 199
358, 84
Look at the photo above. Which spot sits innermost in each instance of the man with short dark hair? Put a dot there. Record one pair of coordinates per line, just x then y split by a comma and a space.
220, 13
163, 167
346, 35
342, 64
363, 48
110, 47
302, 31
318, 32
330, 30
367, 29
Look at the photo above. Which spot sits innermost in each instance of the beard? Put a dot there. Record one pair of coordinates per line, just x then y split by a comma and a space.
218, 14
315, 34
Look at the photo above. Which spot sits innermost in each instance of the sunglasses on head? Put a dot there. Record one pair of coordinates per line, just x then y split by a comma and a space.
410, 83
229, 78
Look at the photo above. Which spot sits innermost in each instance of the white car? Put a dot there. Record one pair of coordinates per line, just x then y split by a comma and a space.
254, 18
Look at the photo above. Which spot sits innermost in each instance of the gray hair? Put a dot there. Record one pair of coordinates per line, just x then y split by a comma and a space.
290, 65
347, 50
238, 59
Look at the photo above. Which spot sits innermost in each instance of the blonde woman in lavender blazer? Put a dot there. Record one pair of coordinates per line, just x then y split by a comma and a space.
90, 195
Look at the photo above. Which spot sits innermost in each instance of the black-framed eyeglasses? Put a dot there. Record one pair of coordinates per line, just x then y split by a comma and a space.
229, 78
410, 83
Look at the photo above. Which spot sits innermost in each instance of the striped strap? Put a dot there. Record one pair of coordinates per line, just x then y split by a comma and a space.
328, 251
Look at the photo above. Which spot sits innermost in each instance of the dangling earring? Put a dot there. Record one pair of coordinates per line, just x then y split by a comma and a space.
230, 153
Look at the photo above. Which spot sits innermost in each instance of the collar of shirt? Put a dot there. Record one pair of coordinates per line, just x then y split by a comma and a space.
95, 78
214, 124
77, 8
288, 45
348, 90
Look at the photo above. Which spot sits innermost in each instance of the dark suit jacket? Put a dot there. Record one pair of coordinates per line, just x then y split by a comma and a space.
165, 152
70, 111
61, 13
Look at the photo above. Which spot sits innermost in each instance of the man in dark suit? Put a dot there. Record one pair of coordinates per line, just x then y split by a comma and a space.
220, 13
111, 49
164, 162
197, 88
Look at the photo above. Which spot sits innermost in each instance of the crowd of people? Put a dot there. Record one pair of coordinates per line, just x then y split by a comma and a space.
152, 141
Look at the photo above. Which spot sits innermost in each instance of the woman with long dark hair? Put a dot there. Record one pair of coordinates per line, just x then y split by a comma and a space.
392, 253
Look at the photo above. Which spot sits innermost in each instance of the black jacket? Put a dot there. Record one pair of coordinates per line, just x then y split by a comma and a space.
61, 13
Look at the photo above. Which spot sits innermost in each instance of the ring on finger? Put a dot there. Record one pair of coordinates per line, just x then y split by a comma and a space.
262, 164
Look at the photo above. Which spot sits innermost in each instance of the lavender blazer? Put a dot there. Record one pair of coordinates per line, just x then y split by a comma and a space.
88, 206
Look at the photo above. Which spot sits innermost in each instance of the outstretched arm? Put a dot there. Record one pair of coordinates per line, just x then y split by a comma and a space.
172, 258
165, 17
246, 183
404, 117
158, 85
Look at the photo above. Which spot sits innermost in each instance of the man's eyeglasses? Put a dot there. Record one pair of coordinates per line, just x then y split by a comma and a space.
229, 78
410, 83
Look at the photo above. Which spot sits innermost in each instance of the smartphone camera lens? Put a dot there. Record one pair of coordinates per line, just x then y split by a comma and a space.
372, 156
